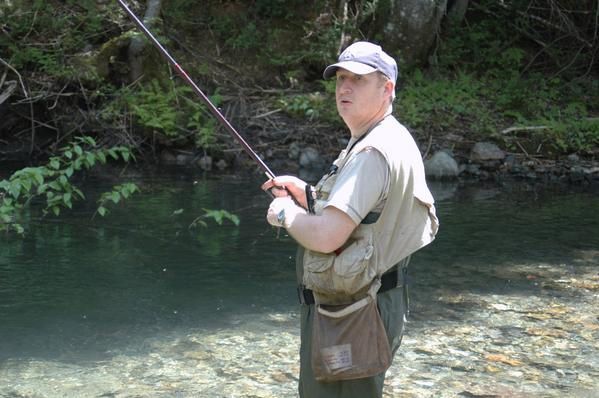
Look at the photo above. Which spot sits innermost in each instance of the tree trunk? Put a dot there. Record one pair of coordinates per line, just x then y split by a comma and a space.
411, 28
138, 43
456, 10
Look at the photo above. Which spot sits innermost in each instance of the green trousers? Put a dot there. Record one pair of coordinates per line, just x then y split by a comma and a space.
393, 308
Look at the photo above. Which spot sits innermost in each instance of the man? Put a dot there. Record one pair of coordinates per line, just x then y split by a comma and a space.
358, 227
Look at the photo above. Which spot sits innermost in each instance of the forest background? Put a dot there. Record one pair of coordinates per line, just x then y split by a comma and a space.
80, 86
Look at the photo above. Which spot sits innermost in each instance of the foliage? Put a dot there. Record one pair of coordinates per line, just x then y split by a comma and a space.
518, 63
485, 80
560, 36
174, 112
42, 35
118, 193
440, 103
318, 105
217, 215
52, 183
153, 107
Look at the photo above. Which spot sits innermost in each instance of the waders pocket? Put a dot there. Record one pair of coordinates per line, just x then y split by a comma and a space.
349, 342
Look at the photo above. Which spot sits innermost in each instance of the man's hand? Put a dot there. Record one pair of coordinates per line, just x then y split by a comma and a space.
283, 186
282, 212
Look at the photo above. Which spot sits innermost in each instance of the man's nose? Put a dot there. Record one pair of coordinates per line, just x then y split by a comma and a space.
344, 87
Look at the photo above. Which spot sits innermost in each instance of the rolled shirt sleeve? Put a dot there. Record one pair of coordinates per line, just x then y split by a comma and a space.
361, 186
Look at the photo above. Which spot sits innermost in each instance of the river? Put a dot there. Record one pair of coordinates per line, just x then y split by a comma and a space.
504, 303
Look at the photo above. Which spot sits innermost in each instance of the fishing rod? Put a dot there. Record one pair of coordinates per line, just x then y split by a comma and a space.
219, 116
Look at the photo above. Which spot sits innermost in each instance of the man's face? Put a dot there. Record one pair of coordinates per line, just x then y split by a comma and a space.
361, 98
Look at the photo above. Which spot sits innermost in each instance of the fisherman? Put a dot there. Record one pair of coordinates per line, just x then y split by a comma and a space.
356, 230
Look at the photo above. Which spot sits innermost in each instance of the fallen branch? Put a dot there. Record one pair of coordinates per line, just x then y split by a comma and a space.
428, 147
523, 128
11, 85
9, 66
267, 114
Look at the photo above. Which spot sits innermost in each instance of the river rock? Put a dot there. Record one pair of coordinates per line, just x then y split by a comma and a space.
221, 164
167, 157
441, 165
183, 159
205, 163
311, 159
486, 151
294, 150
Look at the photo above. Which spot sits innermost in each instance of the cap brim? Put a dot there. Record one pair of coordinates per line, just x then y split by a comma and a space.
355, 67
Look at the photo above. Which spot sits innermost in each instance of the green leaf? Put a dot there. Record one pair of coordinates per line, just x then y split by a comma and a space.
234, 219
177, 212
79, 193
102, 211
91, 159
66, 199
26, 183
89, 141
39, 178
15, 189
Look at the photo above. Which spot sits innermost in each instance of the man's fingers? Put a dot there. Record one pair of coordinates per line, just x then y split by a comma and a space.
279, 192
286, 186
268, 185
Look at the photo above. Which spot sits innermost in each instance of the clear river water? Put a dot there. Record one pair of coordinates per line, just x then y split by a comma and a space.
504, 303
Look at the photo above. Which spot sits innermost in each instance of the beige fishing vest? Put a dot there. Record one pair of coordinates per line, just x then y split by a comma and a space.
406, 223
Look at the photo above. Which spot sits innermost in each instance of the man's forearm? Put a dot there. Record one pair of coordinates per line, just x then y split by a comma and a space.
323, 233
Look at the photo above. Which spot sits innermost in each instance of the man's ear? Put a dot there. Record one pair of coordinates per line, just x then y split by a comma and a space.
389, 87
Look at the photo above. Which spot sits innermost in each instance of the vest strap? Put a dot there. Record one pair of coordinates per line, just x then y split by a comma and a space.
371, 218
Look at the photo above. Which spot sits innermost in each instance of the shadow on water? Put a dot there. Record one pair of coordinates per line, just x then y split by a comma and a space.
81, 289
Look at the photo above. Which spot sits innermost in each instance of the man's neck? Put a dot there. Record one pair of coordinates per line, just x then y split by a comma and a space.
359, 131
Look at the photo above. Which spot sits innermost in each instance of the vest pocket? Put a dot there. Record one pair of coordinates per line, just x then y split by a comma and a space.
351, 267
346, 273
316, 265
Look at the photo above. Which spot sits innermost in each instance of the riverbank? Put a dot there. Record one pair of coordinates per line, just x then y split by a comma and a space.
475, 161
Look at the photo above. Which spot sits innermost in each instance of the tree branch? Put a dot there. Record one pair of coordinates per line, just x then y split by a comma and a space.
138, 42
